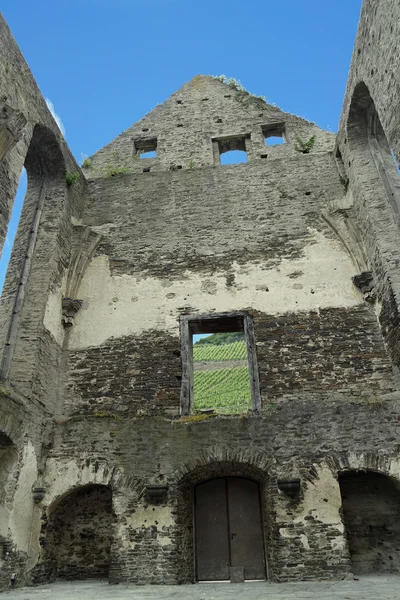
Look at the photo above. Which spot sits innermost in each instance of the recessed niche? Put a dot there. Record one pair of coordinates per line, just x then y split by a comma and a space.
232, 149
274, 134
146, 148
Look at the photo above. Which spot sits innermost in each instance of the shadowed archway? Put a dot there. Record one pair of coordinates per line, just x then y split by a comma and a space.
80, 533
371, 515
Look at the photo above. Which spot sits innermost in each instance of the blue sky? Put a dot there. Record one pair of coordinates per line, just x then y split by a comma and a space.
104, 65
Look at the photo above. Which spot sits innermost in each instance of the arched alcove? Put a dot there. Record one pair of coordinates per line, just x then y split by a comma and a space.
8, 480
372, 158
371, 515
243, 486
80, 532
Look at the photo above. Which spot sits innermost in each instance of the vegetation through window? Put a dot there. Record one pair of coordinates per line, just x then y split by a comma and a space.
221, 380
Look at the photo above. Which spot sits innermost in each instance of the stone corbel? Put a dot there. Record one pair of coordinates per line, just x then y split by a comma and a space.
69, 309
364, 281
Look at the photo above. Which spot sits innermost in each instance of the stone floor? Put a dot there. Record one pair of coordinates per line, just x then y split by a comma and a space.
367, 588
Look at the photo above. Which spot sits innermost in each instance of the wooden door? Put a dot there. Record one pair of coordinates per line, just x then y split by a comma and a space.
228, 529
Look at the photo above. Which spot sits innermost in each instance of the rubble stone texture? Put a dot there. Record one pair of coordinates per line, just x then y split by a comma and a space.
115, 262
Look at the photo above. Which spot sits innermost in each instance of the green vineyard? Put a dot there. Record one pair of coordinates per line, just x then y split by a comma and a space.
225, 390
235, 351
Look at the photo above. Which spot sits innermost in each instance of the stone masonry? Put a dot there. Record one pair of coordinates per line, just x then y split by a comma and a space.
111, 271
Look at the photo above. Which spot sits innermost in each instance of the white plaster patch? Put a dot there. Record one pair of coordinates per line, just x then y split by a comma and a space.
63, 477
322, 500
128, 305
164, 541
304, 540
21, 518
4, 516
150, 516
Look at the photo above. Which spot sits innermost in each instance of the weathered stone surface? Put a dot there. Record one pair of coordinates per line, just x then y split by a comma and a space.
91, 413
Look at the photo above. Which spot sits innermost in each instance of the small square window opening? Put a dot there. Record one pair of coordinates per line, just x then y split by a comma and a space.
146, 148
232, 150
274, 135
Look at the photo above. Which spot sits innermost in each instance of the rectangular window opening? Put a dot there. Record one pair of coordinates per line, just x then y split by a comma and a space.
232, 150
274, 135
219, 370
146, 148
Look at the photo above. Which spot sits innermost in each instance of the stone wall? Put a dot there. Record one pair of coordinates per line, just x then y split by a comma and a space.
368, 133
143, 242
29, 358
309, 439
187, 127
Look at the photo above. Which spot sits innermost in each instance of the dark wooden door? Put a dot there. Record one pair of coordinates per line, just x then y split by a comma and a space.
228, 529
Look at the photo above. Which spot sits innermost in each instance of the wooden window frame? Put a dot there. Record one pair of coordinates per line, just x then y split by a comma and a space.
218, 322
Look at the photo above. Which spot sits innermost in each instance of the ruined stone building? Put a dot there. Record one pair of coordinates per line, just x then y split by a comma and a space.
107, 469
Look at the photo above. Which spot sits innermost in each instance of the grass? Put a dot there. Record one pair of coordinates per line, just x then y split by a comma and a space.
208, 352
225, 390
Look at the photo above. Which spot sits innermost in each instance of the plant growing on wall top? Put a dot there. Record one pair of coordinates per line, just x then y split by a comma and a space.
304, 146
111, 170
86, 162
241, 91
71, 178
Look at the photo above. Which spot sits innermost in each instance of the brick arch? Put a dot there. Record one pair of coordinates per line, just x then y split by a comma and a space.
88, 473
386, 464
214, 463
256, 462
10, 427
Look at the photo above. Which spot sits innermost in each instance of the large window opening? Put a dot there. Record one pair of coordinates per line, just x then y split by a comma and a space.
231, 150
371, 514
12, 226
219, 372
